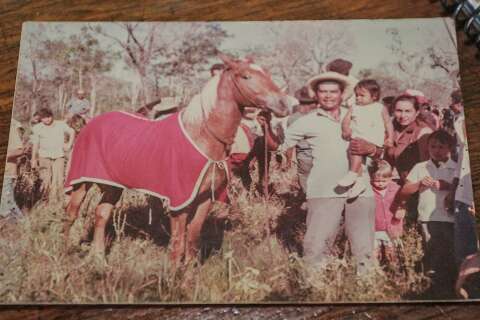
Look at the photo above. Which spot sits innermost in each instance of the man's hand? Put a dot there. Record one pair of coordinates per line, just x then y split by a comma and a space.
471, 209
362, 147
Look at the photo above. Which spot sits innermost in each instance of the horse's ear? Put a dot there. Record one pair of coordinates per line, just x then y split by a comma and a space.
229, 61
249, 59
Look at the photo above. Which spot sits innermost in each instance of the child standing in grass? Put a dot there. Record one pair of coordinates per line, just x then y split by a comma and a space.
367, 119
433, 180
388, 212
49, 149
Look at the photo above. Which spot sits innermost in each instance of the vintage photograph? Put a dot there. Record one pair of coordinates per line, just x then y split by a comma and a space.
238, 162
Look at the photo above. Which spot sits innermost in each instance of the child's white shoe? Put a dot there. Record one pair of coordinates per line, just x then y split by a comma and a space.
358, 188
348, 179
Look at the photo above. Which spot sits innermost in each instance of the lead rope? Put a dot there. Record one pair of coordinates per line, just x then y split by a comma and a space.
265, 176
212, 185
220, 164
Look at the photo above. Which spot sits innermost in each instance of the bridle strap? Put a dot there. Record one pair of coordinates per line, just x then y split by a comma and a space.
227, 141
242, 94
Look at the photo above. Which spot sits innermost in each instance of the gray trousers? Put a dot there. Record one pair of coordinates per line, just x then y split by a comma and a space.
304, 166
324, 218
439, 259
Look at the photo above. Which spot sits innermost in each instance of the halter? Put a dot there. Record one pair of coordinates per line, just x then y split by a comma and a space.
244, 96
227, 142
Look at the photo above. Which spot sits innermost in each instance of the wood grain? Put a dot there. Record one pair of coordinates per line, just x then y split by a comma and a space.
14, 12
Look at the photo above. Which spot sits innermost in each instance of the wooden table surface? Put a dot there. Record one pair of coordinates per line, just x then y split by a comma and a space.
14, 12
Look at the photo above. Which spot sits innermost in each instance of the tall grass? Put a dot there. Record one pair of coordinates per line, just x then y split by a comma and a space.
255, 260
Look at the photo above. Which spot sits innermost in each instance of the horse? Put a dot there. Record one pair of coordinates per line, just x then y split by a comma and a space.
206, 127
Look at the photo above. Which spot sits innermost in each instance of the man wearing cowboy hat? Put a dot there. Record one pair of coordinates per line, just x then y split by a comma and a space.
325, 200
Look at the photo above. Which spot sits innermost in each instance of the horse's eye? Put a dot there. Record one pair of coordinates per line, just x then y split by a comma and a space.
245, 76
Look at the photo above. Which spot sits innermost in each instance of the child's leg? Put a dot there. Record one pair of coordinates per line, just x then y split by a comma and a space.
355, 166
427, 247
356, 163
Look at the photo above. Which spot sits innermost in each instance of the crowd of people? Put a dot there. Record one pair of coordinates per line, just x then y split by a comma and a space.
366, 164
46, 145
372, 166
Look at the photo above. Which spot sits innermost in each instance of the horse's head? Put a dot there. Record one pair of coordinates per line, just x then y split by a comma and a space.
255, 88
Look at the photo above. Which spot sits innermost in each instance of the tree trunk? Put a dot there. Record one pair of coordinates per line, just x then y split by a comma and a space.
60, 99
134, 96
93, 95
145, 94
80, 79
33, 105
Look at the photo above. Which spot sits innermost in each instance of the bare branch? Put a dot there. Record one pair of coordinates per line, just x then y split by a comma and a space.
101, 32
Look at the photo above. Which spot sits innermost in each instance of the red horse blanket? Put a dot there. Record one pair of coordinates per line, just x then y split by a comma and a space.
128, 151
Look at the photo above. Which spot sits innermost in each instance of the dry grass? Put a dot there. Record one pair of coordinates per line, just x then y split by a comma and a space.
252, 264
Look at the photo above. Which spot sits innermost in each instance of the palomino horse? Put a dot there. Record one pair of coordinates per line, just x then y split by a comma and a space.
108, 152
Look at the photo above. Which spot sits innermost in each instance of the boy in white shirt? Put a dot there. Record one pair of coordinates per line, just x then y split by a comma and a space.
49, 149
433, 179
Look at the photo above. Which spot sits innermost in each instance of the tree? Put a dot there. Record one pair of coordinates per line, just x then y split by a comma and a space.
89, 60
183, 60
139, 42
60, 62
296, 52
31, 72
430, 66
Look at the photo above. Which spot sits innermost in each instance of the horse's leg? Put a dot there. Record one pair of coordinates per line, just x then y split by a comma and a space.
110, 197
178, 224
73, 207
194, 228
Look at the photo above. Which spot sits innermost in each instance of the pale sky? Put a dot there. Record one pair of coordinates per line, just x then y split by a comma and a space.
370, 45
370, 37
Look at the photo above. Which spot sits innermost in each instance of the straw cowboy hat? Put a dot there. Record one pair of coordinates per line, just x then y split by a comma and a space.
348, 83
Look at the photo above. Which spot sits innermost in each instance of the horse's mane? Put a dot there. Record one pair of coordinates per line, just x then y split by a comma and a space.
205, 100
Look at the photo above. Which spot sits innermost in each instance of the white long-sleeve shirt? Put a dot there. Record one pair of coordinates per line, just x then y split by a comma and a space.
464, 191
329, 151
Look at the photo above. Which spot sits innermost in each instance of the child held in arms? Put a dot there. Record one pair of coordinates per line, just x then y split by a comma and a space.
433, 180
369, 120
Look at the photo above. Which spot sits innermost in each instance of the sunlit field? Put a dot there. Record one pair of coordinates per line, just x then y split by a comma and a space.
251, 252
